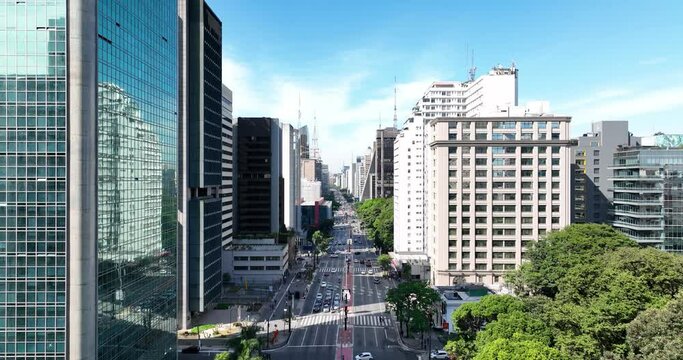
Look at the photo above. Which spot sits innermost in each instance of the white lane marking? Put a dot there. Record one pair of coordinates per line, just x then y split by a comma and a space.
374, 331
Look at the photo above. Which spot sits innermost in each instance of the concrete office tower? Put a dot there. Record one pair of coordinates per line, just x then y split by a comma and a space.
89, 179
591, 159
379, 180
648, 192
259, 185
494, 185
311, 169
201, 217
493, 92
325, 178
291, 173
226, 167
303, 142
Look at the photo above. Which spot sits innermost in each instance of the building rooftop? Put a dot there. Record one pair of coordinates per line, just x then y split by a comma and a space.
463, 292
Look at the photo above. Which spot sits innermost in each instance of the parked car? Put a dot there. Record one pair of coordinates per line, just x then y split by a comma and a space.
364, 356
375, 280
370, 272
318, 296
438, 354
323, 284
326, 308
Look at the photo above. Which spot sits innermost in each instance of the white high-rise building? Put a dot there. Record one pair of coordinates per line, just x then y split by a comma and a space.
489, 93
291, 173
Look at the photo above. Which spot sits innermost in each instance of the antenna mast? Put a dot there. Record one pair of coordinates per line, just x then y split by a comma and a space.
298, 123
395, 116
473, 69
316, 150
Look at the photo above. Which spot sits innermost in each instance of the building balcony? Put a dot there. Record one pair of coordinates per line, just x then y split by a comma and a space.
639, 214
637, 201
639, 227
637, 189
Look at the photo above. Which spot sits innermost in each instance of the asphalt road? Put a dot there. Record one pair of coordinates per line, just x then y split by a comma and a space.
317, 336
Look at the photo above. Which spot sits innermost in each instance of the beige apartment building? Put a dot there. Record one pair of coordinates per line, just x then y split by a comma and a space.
492, 186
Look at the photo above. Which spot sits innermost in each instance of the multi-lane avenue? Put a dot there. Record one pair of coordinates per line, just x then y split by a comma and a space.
319, 330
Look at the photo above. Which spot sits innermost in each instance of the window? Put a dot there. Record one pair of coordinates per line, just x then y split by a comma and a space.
480, 220
481, 173
542, 124
524, 197
527, 161
480, 267
465, 266
465, 231
480, 161
465, 243
596, 179
596, 161
596, 170
527, 124
556, 161
480, 136
527, 208
555, 149
596, 152
480, 255
479, 232
527, 149
480, 150
556, 173
479, 197
480, 208
465, 255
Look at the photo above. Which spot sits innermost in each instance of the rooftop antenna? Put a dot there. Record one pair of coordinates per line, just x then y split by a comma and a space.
298, 124
395, 116
316, 150
380, 119
473, 69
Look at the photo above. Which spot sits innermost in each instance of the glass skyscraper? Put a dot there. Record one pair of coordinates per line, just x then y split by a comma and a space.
88, 179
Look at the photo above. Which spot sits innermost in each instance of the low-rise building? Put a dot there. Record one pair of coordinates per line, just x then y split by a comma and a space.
256, 261
313, 212
452, 297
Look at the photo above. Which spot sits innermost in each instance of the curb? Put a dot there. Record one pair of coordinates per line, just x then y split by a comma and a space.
399, 339
278, 347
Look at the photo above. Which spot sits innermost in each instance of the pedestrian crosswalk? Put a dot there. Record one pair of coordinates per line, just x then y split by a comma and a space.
356, 269
372, 320
320, 319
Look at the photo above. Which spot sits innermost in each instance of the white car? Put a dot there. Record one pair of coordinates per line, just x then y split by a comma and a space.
362, 272
319, 296
334, 256
364, 356
334, 270
438, 354
370, 272
326, 308
323, 284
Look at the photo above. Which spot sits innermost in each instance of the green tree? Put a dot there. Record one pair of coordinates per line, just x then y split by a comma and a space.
248, 346
470, 318
511, 349
657, 333
384, 261
550, 258
406, 271
413, 301
320, 241
516, 325
222, 356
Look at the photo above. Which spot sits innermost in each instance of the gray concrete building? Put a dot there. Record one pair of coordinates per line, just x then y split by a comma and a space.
379, 179
592, 157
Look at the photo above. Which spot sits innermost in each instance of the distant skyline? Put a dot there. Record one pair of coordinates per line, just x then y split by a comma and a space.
591, 60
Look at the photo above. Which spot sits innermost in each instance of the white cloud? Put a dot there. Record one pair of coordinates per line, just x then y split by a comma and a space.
345, 123
627, 105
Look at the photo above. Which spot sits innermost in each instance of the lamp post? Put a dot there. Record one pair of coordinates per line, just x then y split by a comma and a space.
267, 333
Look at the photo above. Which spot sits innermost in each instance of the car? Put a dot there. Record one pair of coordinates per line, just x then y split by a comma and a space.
362, 272
326, 274
323, 284
334, 271
335, 307
334, 256
318, 297
194, 349
370, 272
364, 356
336, 297
339, 280
316, 307
357, 253
375, 280
326, 308
438, 354
362, 261
355, 261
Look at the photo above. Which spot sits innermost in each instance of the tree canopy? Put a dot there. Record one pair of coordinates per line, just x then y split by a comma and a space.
583, 294
413, 301
384, 261
377, 216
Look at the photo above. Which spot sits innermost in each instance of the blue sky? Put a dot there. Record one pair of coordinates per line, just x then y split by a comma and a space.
592, 60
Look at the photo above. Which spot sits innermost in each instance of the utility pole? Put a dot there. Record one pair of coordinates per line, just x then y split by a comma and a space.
267, 333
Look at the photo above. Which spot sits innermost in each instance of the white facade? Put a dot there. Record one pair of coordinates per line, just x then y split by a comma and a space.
255, 261
495, 185
409, 194
487, 94
291, 175
310, 190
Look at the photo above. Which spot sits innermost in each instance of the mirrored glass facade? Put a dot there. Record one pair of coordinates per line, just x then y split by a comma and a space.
137, 179
32, 179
